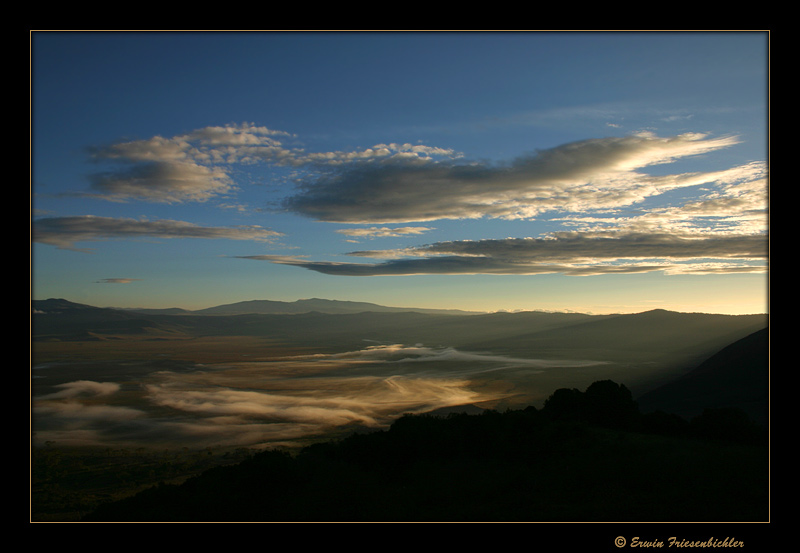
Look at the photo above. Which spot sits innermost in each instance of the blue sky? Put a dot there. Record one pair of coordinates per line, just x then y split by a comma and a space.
596, 172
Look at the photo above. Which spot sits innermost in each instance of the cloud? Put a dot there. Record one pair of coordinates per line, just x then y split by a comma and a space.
582, 185
392, 183
261, 405
399, 182
721, 230
401, 353
576, 247
117, 280
579, 176
382, 232
195, 167
569, 253
454, 265
272, 401
64, 232
163, 182
80, 388
77, 412
309, 394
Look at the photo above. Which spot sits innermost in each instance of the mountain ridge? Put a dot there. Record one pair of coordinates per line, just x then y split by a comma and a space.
650, 336
320, 305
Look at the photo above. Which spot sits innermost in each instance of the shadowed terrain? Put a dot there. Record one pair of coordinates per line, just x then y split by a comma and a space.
585, 456
123, 400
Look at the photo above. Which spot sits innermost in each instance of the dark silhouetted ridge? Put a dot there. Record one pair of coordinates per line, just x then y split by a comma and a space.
736, 376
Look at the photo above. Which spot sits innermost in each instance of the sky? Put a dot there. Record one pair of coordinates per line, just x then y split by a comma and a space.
599, 172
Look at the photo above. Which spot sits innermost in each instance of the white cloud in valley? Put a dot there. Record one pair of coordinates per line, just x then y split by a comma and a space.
264, 403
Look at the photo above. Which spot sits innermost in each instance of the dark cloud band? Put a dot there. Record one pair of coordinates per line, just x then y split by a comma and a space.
574, 254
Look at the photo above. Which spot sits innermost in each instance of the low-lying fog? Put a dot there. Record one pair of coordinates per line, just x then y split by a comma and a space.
287, 400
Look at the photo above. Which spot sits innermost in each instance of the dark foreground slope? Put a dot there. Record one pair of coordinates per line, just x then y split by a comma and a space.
737, 376
585, 456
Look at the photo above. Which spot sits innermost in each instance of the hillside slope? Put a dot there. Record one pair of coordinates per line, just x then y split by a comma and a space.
655, 336
736, 376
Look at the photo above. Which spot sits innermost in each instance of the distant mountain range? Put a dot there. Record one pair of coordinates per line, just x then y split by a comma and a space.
265, 307
650, 336
271, 307
720, 360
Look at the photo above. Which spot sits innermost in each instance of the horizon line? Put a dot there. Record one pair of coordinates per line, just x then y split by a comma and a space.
411, 308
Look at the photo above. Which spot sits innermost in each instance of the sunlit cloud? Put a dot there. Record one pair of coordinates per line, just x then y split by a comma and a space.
163, 182
580, 176
401, 353
64, 232
402, 182
382, 232
196, 167
722, 229
331, 411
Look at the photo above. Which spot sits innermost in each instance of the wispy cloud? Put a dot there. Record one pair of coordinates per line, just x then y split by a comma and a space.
195, 167
64, 232
382, 232
569, 253
721, 229
582, 185
576, 177
401, 182
79, 388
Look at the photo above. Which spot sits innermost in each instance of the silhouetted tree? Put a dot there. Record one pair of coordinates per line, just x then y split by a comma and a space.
565, 404
609, 404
